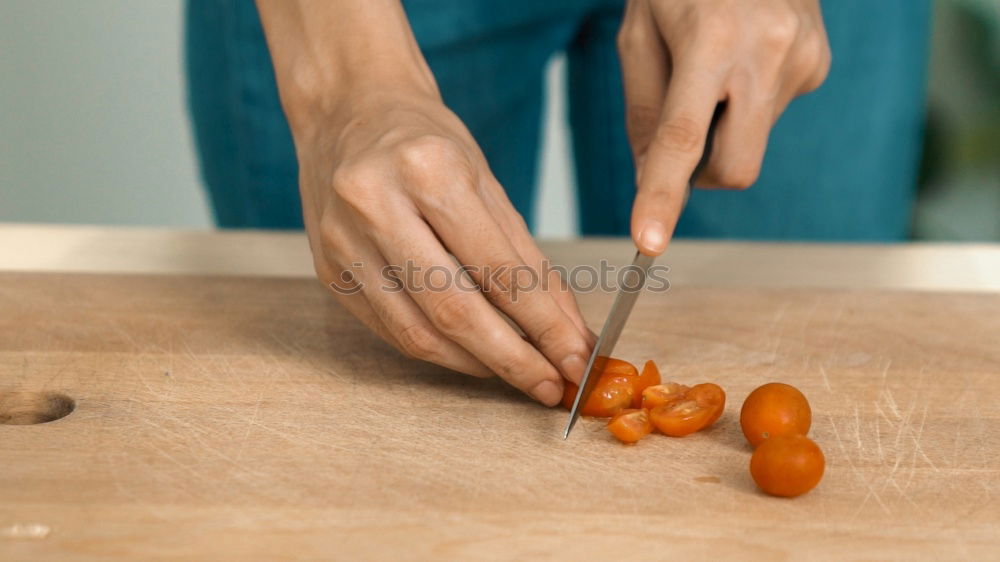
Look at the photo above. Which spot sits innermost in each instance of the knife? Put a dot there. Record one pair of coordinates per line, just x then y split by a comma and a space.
628, 293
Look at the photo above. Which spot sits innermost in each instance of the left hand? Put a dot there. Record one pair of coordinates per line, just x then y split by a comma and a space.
680, 58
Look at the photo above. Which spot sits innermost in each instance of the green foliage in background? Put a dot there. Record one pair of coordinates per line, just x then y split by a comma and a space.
960, 188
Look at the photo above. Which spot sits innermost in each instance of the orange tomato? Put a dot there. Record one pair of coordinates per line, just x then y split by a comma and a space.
697, 409
608, 398
611, 367
650, 376
680, 417
708, 395
660, 394
629, 426
614, 391
787, 465
774, 409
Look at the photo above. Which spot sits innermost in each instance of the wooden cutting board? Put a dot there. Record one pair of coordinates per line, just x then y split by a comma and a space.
253, 418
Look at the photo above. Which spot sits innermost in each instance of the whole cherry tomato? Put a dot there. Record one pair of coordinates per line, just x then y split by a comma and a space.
787, 465
660, 394
774, 409
650, 376
629, 426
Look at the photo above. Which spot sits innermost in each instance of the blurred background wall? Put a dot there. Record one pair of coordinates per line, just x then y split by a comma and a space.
93, 127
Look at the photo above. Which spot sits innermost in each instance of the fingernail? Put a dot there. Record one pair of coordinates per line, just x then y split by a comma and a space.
653, 236
547, 392
572, 367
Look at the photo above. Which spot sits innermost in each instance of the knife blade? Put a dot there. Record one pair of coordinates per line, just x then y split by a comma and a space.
633, 281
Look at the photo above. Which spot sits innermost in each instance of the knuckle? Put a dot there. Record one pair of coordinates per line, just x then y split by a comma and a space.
562, 336
357, 187
433, 167
422, 157
781, 30
515, 369
816, 64
419, 342
740, 177
680, 134
452, 313
502, 282
350, 182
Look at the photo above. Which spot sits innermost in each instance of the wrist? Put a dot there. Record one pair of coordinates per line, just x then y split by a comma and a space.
312, 96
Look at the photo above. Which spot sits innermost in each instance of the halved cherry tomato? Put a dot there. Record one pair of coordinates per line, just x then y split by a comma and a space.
774, 409
697, 409
660, 394
629, 426
650, 376
709, 395
614, 391
680, 417
787, 465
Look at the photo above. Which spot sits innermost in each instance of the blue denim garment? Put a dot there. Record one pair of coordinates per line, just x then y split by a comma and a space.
841, 163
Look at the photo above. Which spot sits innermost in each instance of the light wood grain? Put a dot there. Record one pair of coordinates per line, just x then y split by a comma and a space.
235, 418
915, 266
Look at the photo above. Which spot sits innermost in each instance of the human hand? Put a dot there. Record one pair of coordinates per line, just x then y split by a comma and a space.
680, 58
393, 178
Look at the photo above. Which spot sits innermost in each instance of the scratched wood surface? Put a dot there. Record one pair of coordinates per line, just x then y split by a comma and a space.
237, 418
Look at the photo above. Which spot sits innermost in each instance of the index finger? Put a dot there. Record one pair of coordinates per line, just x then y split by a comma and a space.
674, 153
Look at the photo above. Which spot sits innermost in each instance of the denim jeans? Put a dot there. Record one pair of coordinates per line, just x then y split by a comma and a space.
841, 163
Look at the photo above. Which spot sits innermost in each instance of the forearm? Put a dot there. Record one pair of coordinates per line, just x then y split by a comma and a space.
323, 50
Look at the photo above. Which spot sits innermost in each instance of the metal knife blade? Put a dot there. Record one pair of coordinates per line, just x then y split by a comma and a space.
633, 281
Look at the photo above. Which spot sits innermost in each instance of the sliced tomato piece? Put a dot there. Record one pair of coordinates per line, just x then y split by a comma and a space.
629, 426
660, 394
650, 376
680, 417
699, 407
709, 395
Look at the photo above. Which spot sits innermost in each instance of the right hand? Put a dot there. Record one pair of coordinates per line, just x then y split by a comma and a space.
389, 179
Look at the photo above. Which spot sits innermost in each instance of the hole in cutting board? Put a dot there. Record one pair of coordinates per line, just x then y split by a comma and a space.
29, 408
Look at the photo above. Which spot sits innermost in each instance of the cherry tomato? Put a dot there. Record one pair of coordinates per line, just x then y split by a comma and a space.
697, 409
787, 465
629, 426
608, 398
650, 376
708, 395
774, 409
614, 391
611, 367
660, 394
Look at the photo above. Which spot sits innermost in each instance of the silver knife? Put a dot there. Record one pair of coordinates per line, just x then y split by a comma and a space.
633, 281
627, 295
